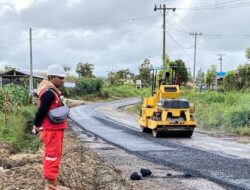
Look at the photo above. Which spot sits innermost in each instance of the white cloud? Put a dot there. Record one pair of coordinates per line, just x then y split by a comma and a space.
104, 33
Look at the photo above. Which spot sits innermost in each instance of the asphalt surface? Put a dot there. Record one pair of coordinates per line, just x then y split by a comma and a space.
221, 161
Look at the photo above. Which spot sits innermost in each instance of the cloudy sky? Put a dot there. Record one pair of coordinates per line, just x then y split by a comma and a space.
119, 34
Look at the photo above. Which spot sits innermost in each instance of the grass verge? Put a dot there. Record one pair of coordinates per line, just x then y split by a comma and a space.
17, 131
224, 111
126, 90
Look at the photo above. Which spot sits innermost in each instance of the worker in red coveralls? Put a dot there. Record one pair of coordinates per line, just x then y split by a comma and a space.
52, 134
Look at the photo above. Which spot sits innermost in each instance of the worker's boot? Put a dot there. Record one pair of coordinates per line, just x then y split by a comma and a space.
62, 188
51, 184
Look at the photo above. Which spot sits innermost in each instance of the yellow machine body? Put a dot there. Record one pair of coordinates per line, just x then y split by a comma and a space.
157, 118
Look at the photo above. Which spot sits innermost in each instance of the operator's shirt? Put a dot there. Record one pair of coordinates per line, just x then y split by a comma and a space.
46, 100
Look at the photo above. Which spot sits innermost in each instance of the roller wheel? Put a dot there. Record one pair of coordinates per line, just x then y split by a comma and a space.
145, 129
183, 134
188, 134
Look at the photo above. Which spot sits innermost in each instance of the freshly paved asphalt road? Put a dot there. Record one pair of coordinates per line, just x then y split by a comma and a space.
221, 161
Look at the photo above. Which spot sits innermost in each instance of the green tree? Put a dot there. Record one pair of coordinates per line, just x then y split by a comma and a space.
144, 71
112, 78
181, 71
244, 75
85, 70
123, 75
146, 63
230, 81
200, 79
210, 78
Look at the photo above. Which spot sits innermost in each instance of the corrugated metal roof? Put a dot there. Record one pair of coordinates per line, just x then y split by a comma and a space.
22, 73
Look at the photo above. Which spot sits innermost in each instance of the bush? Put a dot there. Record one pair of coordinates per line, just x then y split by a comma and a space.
238, 118
230, 82
19, 116
229, 111
68, 92
126, 90
213, 97
16, 95
28, 113
231, 98
209, 115
18, 131
84, 87
244, 74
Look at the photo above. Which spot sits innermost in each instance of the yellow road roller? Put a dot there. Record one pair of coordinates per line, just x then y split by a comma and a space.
165, 113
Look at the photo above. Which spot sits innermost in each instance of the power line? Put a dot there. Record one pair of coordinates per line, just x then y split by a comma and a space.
204, 55
13, 44
212, 36
238, 5
179, 45
92, 35
243, 4
226, 37
175, 24
216, 7
216, 4
173, 30
180, 22
107, 22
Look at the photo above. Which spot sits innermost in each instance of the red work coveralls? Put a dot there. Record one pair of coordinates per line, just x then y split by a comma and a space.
52, 138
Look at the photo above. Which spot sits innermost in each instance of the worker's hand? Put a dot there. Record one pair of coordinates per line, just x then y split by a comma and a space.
35, 130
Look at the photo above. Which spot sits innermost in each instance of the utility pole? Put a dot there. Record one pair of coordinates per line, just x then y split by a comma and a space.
195, 34
31, 69
220, 55
164, 9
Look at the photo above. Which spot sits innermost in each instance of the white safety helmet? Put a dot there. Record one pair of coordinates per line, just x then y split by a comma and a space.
56, 70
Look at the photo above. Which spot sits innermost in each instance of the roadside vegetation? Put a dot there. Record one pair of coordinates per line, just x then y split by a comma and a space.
94, 89
125, 90
16, 116
118, 84
229, 111
89, 89
227, 108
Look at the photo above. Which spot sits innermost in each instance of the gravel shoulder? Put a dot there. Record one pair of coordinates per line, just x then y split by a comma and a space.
81, 168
